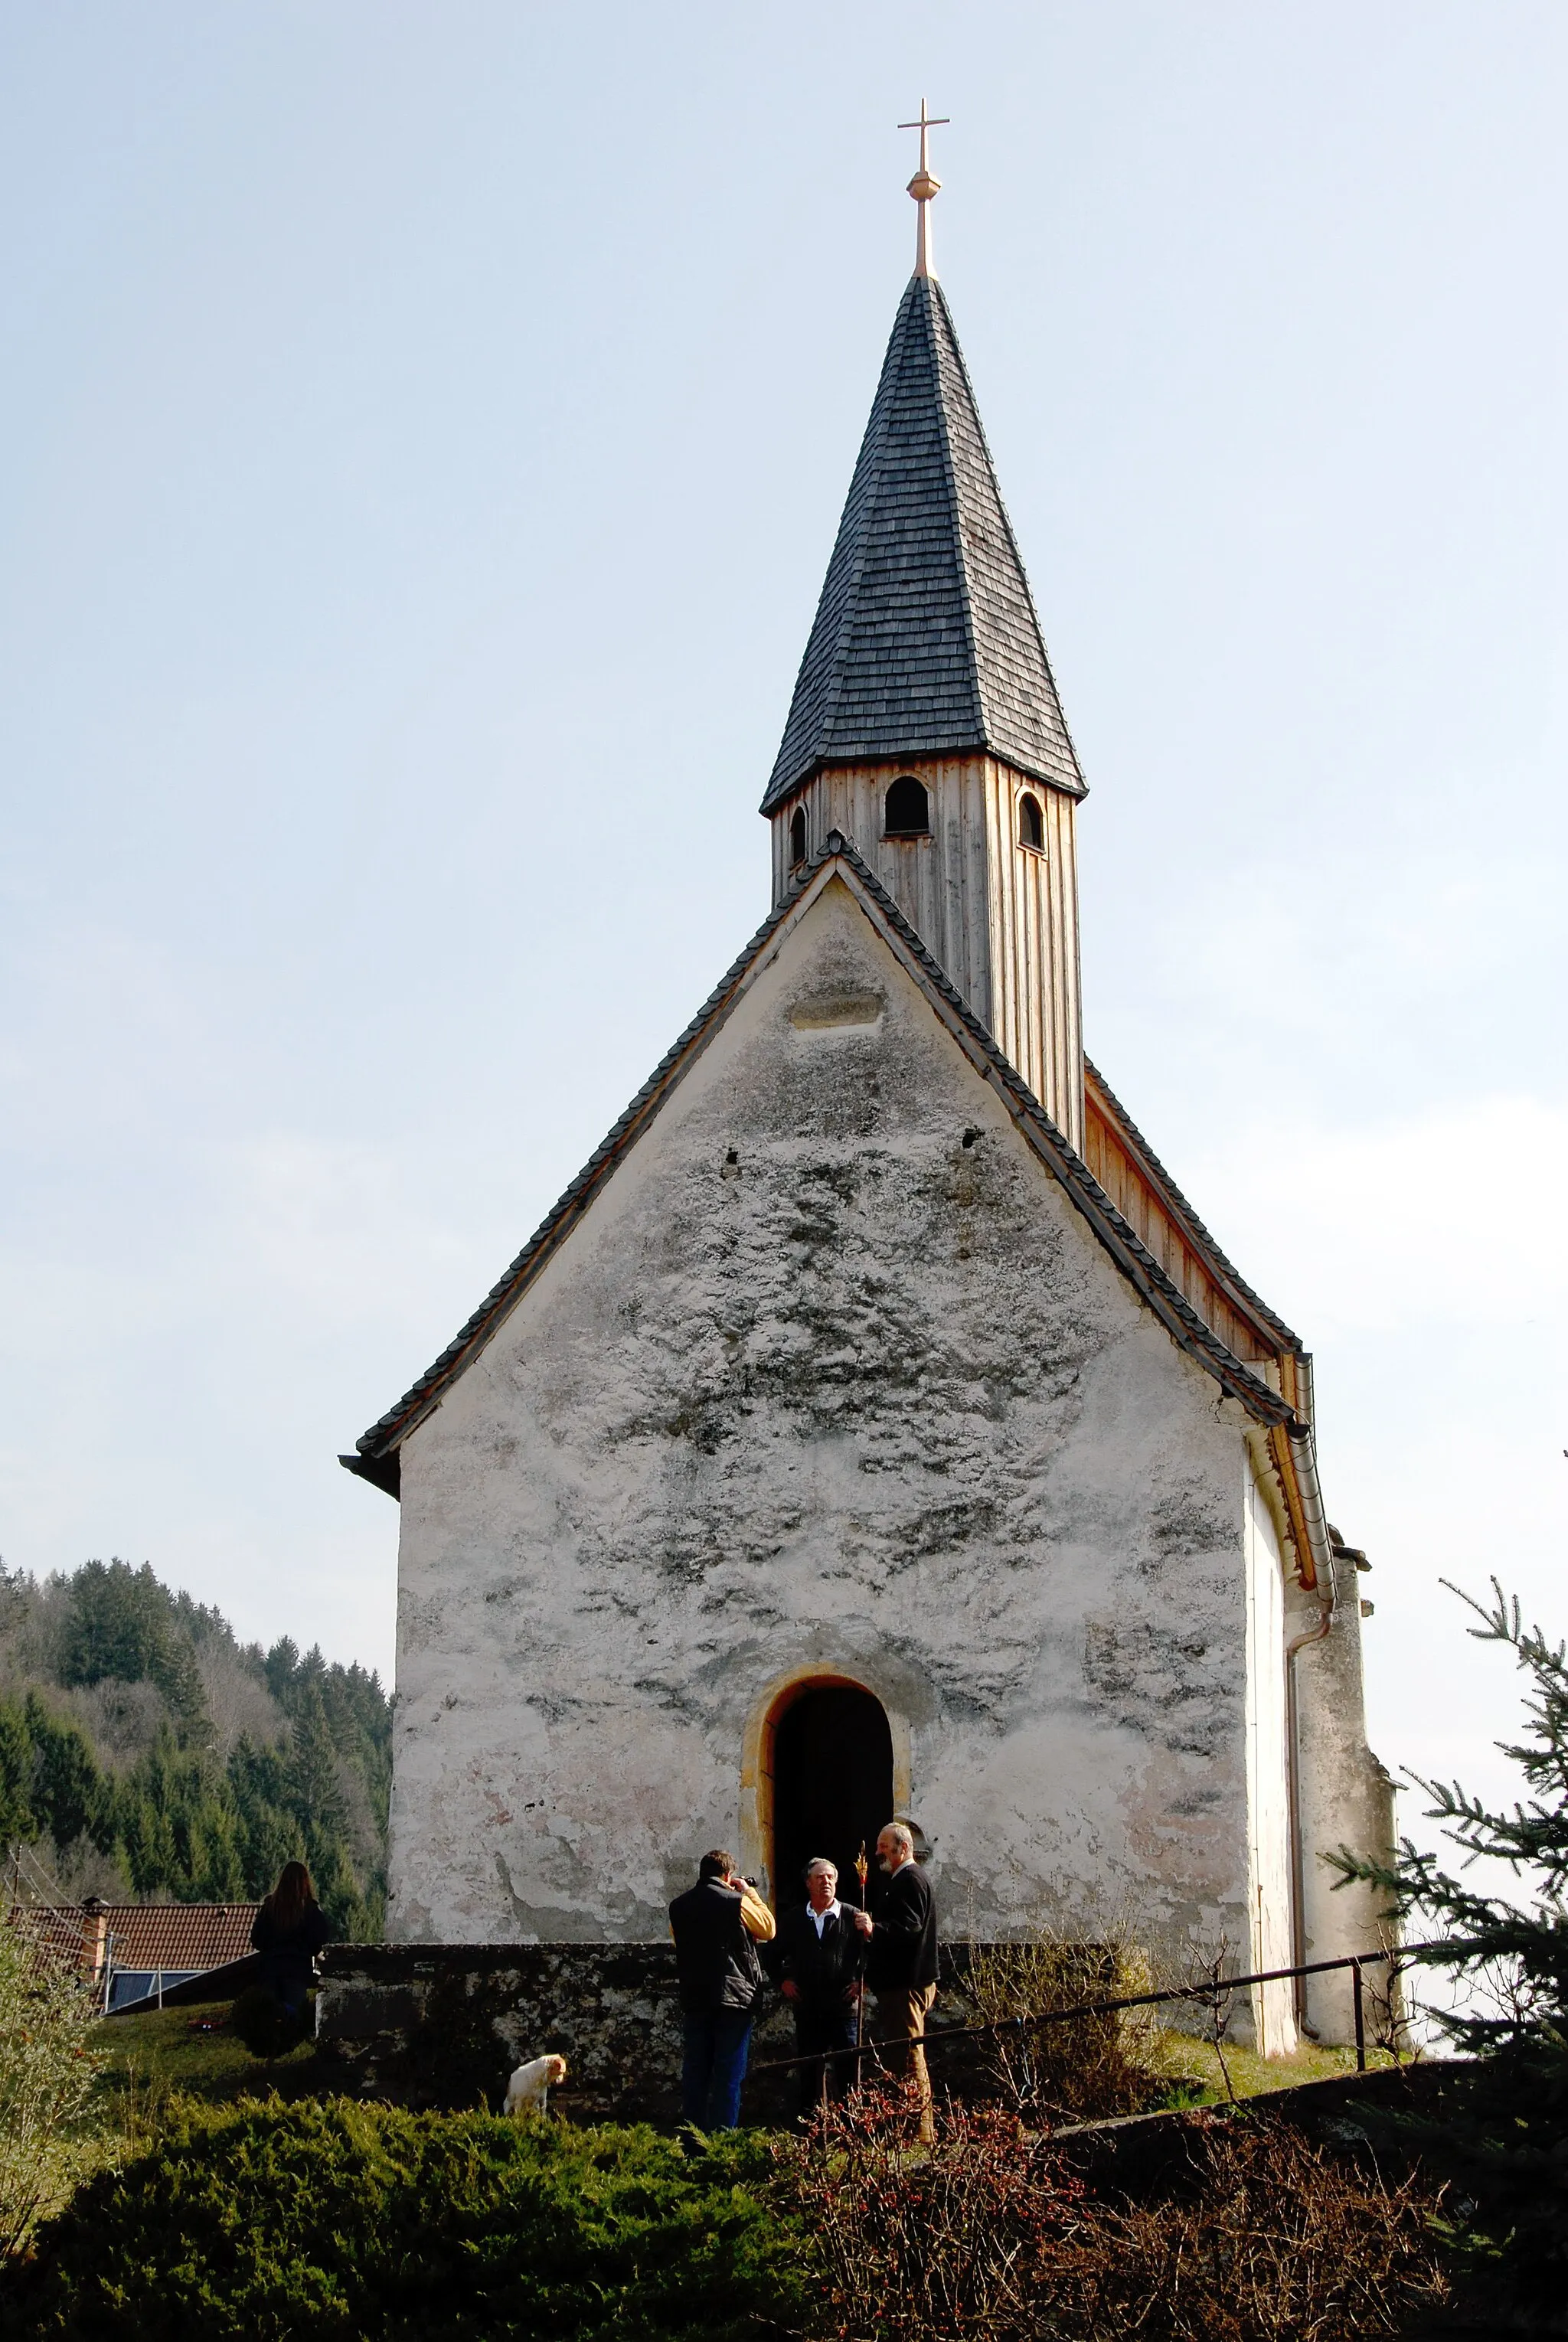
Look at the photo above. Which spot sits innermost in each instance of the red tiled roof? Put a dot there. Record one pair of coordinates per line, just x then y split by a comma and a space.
179, 1935
65, 1930
184, 1937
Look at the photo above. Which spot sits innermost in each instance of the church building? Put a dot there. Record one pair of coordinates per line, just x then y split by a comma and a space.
874, 1428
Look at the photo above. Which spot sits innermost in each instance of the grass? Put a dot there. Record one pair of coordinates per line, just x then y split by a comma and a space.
1194, 2068
192, 2052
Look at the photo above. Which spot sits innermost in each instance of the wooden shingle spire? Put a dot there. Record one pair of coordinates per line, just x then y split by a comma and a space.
925, 640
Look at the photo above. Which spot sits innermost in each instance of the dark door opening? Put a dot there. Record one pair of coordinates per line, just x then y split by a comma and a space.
833, 1787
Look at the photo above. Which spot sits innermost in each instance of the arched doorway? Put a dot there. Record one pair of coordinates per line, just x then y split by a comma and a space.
831, 1771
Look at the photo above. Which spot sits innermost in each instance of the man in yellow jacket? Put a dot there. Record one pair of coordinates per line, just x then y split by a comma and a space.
717, 1926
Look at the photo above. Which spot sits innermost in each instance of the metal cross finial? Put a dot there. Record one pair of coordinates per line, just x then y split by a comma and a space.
923, 186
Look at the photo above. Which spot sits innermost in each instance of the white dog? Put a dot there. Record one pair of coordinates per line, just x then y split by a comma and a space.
530, 2084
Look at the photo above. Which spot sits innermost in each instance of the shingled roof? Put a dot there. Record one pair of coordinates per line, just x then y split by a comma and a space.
925, 640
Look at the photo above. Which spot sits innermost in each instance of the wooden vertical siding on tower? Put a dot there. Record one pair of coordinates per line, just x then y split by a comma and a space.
1000, 918
938, 886
1034, 946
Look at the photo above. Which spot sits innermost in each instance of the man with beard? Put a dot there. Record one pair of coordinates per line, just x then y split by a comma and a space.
900, 1962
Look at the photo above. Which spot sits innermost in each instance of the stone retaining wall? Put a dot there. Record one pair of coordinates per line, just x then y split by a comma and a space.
443, 2025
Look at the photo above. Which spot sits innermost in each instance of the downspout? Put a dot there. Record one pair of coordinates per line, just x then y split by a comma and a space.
1319, 1544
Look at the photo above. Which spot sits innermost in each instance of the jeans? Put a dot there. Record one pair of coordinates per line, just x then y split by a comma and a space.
718, 2042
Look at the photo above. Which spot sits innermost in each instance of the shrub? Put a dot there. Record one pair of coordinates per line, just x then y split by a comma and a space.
344, 2220
990, 2232
918, 2241
1502, 2141
47, 2077
1265, 2239
1090, 2065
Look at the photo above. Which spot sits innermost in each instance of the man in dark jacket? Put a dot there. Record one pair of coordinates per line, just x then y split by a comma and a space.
822, 1956
900, 1962
717, 1925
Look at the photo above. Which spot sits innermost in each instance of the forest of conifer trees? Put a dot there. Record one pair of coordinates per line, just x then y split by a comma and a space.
146, 1754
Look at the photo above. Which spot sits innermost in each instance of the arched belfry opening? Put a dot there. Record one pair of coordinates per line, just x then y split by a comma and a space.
828, 1759
906, 808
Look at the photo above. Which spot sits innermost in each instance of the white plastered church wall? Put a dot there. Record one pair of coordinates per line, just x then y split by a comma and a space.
863, 1399
1270, 1939
1346, 1799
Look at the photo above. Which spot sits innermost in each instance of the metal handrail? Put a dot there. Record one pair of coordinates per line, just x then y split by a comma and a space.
1207, 1990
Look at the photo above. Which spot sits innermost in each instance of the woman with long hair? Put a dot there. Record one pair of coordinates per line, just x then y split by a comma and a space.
288, 1931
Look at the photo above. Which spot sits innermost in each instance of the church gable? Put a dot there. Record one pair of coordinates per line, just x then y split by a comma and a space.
377, 1451
832, 1232
832, 1379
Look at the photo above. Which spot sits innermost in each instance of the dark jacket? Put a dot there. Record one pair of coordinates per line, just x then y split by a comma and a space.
288, 1954
716, 1958
824, 1970
904, 1940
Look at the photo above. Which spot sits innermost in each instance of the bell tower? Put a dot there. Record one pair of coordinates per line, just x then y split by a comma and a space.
925, 723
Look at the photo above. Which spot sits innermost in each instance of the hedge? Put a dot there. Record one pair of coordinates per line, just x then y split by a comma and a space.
338, 2220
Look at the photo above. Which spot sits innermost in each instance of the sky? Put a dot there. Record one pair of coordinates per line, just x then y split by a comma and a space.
424, 432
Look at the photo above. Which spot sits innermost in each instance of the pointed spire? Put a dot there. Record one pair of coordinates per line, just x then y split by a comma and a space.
925, 640
924, 188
